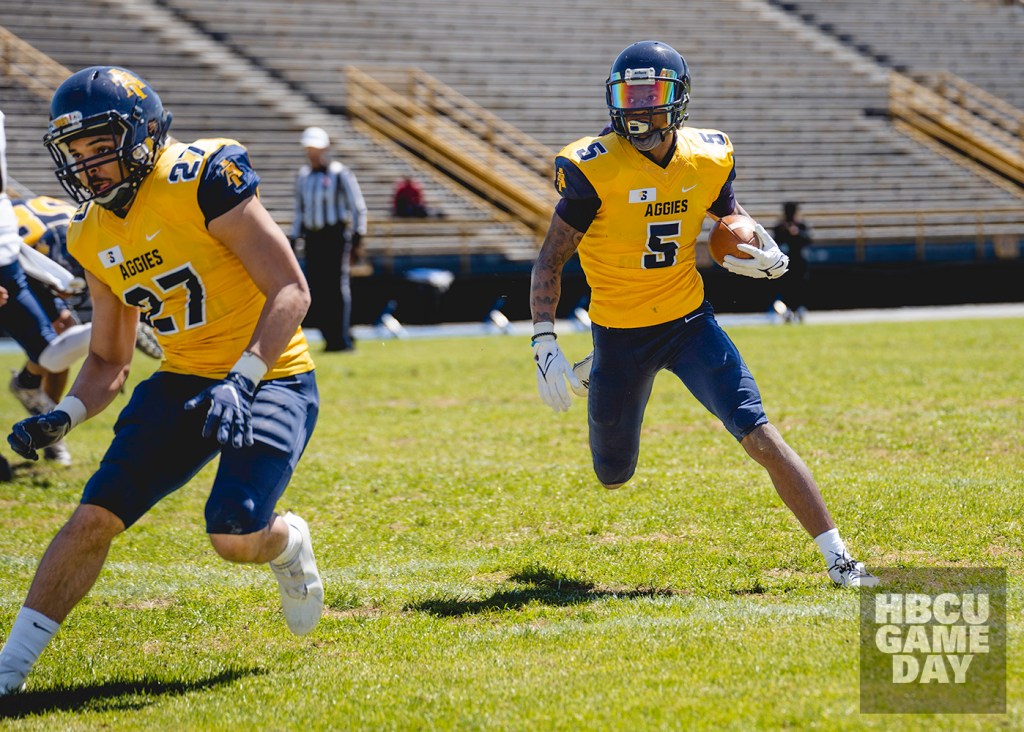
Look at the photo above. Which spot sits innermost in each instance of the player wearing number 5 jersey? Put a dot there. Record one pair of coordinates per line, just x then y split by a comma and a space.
632, 203
174, 232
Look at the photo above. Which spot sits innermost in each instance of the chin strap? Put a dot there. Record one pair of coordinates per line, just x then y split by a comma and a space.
662, 136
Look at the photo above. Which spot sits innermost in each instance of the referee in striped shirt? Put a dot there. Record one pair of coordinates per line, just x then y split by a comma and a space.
330, 216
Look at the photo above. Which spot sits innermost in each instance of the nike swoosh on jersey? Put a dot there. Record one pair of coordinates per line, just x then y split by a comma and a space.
687, 190
151, 237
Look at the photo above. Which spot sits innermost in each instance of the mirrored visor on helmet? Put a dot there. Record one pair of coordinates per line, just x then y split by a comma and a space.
642, 93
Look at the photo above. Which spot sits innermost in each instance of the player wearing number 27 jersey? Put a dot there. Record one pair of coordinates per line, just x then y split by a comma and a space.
632, 205
162, 259
174, 233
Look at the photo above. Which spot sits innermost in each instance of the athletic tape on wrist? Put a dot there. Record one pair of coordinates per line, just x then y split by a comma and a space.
251, 367
74, 408
541, 329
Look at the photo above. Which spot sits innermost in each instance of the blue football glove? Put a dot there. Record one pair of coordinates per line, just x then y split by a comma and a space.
37, 432
230, 415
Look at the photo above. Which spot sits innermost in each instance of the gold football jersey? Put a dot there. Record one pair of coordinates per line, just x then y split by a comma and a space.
38, 216
160, 258
638, 254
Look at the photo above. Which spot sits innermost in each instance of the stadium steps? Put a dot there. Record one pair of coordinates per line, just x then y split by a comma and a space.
805, 112
213, 91
801, 107
978, 40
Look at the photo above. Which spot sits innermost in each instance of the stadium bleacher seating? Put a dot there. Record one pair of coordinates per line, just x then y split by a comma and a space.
981, 41
798, 110
212, 93
805, 109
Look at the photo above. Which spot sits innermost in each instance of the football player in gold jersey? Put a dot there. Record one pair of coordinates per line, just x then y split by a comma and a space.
633, 202
176, 233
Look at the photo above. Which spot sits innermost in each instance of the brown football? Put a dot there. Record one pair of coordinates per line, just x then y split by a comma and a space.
729, 231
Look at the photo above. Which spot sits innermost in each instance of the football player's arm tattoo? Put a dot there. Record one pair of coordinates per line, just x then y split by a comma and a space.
546, 280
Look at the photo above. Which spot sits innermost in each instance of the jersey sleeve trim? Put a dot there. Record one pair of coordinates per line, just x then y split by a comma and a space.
725, 204
570, 182
227, 180
578, 213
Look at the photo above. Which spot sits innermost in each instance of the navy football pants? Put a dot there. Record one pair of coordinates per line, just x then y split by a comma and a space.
626, 360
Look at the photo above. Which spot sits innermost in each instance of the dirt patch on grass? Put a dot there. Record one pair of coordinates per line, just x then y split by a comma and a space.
152, 603
364, 611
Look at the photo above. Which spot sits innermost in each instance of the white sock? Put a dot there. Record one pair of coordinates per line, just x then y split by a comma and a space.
291, 548
831, 546
29, 635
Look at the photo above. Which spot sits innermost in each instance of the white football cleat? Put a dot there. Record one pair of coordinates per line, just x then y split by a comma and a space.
848, 572
58, 453
582, 371
11, 682
302, 592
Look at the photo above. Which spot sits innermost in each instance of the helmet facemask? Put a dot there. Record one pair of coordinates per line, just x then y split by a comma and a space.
135, 159
646, 104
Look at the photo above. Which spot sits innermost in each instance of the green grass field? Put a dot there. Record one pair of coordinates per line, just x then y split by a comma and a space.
478, 577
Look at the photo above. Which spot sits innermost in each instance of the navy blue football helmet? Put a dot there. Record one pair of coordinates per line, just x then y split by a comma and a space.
114, 102
647, 79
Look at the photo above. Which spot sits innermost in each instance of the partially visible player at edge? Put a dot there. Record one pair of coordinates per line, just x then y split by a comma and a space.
177, 232
23, 317
633, 201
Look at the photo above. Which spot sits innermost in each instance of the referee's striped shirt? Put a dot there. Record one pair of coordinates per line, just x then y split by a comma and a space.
325, 197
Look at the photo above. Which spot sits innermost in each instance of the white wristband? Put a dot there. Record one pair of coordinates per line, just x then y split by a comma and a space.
74, 408
544, 326
251, 367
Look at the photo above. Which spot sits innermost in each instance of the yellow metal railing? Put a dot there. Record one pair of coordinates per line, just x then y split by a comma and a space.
507, 167
922, 226
462, 238
961, 115
19, 60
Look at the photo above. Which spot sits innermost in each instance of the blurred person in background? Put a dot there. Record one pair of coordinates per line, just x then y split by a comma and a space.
330, 219
794, 236
42, 225
23, 317
408, 200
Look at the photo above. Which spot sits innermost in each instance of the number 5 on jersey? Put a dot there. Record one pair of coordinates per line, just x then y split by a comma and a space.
662, 245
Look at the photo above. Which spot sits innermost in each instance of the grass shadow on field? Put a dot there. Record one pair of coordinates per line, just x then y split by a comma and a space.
113, 695
540, 585
38, 473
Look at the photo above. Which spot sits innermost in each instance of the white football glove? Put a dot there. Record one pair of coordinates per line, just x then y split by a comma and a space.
768, 262
552, 369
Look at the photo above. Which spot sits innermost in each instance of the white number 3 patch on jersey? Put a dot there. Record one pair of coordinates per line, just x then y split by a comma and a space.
643, 195
111, 257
